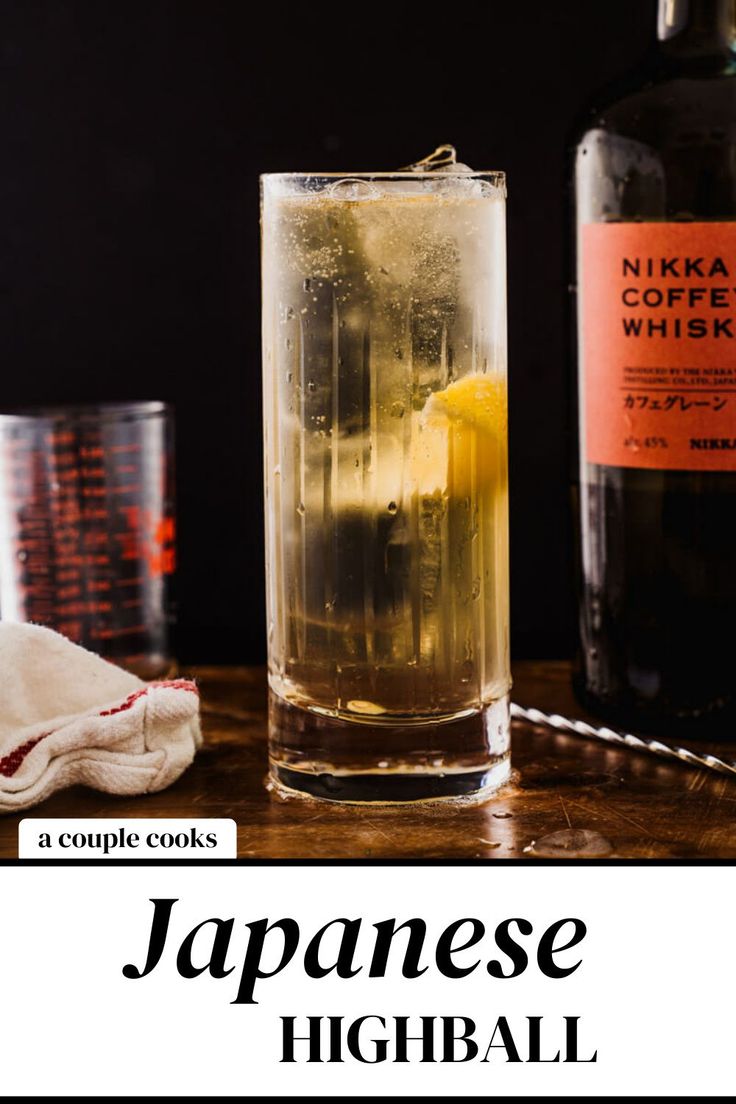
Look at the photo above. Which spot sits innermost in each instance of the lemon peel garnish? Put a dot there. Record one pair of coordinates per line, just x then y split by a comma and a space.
476, 401
460, 432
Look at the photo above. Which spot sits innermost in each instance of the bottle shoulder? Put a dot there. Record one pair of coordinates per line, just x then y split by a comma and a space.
662, 148
651, 107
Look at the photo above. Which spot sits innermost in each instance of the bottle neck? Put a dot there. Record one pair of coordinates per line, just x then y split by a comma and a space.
699, 31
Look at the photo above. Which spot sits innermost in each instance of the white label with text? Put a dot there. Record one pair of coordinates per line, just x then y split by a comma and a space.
136, 838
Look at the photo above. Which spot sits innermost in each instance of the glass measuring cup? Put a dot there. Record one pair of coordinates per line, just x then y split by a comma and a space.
87, 527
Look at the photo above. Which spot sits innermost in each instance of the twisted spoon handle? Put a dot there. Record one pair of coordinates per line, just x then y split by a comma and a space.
610, 736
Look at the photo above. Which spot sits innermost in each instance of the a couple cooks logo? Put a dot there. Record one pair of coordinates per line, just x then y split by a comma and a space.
348, 947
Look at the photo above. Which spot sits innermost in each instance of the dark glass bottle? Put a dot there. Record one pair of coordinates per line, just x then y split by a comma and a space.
655, 200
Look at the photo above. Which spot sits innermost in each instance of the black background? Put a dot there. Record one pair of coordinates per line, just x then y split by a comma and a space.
131, 138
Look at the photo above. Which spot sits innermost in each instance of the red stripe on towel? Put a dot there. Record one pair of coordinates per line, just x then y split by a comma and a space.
9, 764
168, 684
12, 762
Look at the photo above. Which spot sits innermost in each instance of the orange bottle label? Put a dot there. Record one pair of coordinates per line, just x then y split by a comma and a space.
658, 344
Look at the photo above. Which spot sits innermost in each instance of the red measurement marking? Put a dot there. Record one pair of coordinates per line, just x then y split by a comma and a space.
38, 590
165, 530
112, 634
84, 608
67, 533
132, 516
89, 560
65, 593
31, 544
132, 547
162, 563
93, 539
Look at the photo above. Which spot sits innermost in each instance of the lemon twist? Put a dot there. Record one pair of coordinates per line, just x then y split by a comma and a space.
461, 440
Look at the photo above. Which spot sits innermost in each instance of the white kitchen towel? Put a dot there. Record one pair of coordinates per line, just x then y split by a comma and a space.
67, 717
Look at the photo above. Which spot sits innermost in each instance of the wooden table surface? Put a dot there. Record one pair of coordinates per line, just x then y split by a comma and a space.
644, 807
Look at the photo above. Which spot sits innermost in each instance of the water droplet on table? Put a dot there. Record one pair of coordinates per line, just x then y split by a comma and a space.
570, 842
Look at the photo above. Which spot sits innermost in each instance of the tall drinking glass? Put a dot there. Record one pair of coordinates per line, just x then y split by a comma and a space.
384, 338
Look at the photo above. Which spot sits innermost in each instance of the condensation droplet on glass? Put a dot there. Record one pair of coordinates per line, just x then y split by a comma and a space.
22, 555
502, 816
307, 285
476, 588
467, 670
301, 509
311, 385
399, 354
392, 507
397, 410
289, 313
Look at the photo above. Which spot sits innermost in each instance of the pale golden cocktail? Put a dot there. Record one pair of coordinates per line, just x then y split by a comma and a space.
384, 332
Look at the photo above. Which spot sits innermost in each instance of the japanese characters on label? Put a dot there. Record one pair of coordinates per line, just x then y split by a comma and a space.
658, 343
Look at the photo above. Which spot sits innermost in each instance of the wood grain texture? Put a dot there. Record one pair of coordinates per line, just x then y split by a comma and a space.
646, 808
